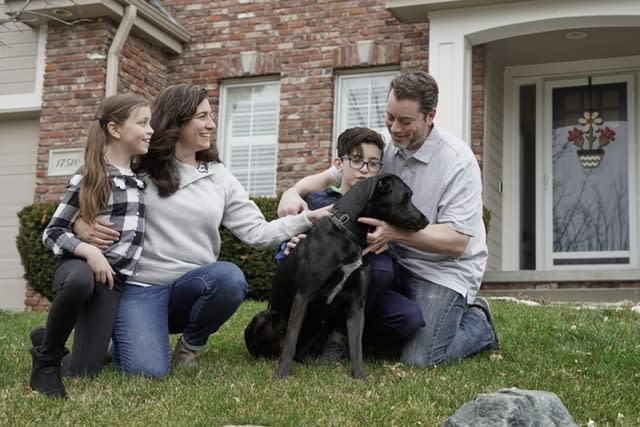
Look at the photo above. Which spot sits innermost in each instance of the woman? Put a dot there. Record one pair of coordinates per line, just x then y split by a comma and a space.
179, 286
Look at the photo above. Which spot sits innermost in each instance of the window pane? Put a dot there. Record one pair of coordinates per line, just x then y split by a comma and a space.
362, 100
251, 135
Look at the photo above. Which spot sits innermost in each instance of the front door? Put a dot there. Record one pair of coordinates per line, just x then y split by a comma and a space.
586, 203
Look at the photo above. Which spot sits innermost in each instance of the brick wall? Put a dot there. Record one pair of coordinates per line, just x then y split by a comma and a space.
477, 101
143, 69
74, 85
35, 301
303, 43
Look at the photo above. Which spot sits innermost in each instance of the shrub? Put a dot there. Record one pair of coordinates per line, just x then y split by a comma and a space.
38, 261
486, 218
258, 266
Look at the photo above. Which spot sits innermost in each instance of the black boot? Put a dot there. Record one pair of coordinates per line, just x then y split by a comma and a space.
37, 336
45, 374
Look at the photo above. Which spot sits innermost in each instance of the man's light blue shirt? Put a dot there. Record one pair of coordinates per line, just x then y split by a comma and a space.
447, 187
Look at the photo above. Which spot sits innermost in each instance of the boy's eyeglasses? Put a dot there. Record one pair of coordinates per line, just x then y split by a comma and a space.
357, 163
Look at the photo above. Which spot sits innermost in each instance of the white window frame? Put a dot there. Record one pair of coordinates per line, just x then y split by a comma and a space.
30, 101
225, 145
341, 110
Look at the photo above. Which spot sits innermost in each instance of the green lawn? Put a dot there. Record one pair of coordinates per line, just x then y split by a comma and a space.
589, 357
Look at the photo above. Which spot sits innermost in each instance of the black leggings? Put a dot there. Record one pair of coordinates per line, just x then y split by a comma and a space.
88, 306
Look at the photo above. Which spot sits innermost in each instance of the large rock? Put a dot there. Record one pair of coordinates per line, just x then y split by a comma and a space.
512, 407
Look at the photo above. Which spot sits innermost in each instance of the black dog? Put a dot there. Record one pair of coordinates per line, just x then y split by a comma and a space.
326, 271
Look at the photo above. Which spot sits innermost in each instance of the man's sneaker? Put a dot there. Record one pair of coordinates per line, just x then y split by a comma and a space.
183, 356
483, 304
37, 336
334, 349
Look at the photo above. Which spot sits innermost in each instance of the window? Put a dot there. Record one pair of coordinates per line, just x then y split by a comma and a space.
361, 100
248, 134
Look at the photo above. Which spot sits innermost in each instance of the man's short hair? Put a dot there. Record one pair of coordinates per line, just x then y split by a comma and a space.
418, 86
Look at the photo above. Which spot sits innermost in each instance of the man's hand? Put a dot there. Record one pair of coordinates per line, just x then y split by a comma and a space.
378, 240
99, 234
291, 203
436, 238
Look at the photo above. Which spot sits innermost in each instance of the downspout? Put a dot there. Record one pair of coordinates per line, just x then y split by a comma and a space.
113, 56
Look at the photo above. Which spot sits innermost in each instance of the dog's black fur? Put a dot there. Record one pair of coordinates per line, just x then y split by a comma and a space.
327, 273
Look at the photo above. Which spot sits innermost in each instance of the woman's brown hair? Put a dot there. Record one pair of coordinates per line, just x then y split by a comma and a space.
96, 185
171, 111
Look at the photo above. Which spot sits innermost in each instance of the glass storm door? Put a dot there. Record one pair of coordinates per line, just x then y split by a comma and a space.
589, 168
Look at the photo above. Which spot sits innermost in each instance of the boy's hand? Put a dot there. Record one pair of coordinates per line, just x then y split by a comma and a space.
316, 215
291, 203
293, 242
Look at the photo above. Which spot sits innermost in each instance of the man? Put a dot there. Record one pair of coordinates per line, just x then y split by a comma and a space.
441, 265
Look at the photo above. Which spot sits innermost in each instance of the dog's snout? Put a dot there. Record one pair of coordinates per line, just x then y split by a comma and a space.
419, 221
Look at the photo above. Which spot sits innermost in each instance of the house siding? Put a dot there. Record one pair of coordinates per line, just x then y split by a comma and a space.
18, 59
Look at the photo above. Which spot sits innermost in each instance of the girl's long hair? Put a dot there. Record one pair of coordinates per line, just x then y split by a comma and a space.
96, 185
171, 111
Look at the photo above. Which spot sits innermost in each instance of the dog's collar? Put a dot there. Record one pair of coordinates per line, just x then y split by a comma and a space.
342, 221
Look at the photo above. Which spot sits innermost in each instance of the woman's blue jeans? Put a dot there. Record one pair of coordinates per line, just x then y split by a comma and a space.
196, 304
453, 329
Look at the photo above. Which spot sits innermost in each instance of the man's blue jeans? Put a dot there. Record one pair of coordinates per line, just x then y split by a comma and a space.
196, 304
453, 329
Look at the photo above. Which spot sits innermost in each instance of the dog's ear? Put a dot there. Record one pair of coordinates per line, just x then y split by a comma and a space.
358, 196
384, 184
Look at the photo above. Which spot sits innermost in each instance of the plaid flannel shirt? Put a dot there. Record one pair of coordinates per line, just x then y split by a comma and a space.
125, 209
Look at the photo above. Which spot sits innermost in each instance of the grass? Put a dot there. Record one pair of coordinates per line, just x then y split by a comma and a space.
589, 357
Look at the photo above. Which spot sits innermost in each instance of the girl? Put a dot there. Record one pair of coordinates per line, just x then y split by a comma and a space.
88, 281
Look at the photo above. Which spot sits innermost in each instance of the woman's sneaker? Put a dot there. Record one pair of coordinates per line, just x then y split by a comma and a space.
183, 356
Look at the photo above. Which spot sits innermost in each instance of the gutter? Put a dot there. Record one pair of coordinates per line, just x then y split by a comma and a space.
156, 26
113, 56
